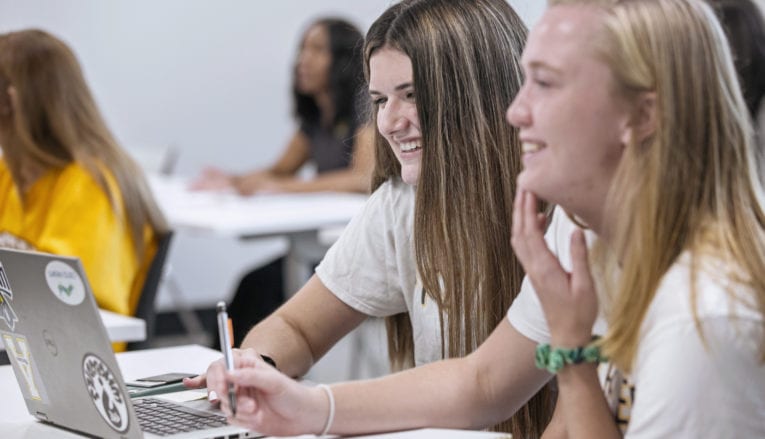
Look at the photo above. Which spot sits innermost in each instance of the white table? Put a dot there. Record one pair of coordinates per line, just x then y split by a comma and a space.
123, 328
228, 214
310, 222
15, 422
119, 328
296, 216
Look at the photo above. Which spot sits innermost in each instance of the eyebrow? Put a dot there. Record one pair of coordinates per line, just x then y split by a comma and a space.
397, 88
543, 65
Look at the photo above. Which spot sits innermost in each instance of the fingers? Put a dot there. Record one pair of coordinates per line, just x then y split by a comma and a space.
528, 224
216, 381
212, 171
246, 403
571, 319
528, 239
262, 377
581, 278
196, 382
517, 214
211, 179
245, 358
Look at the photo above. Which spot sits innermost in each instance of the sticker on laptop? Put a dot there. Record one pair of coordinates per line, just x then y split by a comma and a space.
105, 392
65, 283
6, 297
17, 347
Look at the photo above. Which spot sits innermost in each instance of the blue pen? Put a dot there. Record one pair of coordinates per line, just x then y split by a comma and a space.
225, 344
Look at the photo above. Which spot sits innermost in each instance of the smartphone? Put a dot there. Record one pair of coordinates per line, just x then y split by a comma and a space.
160, 380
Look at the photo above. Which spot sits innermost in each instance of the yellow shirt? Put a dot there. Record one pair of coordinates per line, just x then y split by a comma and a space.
65, 212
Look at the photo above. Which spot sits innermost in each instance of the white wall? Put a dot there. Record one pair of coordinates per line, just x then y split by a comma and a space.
211, 78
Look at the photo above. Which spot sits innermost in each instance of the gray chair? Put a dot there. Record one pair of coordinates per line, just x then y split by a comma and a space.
146, 309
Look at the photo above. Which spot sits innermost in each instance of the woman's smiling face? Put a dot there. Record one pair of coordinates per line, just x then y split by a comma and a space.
573, 124
391, 88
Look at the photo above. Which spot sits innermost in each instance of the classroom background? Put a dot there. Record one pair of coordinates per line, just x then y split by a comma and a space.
190, 83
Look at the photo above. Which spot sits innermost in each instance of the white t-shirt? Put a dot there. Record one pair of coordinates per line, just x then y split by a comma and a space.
678, 387
372, 267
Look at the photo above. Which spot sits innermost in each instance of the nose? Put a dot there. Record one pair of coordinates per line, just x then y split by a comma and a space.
518, 113
301, 58
391, 118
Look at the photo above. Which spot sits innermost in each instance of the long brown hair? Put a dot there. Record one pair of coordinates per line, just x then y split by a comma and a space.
466, 70
51, 120
691, 186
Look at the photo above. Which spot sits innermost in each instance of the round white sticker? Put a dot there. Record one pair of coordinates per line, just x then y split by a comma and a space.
105, 393
65, 283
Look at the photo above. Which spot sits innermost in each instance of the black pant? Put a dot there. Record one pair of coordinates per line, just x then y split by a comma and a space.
260, 292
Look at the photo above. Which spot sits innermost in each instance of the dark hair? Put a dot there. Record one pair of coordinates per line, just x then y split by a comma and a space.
745, 27
345, 75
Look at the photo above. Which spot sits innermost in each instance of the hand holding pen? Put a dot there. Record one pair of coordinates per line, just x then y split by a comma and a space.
224, 333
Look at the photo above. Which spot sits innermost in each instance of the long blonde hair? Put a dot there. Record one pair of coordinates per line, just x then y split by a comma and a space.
466, 70
54, 121
692, 186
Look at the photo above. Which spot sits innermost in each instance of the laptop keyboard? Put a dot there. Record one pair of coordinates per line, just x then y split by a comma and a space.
164, 418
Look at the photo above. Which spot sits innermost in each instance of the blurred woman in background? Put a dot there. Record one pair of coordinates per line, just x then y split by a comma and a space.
745, 27
66, 186
332, 134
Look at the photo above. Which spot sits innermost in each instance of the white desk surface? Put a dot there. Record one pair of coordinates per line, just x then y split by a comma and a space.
16, 422
228, 214
123, 328
119, 328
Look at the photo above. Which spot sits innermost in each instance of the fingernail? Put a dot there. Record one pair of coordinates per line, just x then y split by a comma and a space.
212, 396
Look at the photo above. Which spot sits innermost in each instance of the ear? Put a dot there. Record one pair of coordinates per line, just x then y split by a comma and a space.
644, 119
14, 96
7, 105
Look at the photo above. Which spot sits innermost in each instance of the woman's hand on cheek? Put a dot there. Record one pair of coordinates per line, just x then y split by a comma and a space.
568, 299
580, 303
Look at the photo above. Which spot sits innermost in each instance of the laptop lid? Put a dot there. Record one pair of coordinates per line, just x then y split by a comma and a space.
59, 349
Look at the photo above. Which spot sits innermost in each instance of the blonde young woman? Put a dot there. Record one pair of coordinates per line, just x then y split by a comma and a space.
659, 165
66, 187
431, 250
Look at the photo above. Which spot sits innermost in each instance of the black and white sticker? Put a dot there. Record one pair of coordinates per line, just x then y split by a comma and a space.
6, 297
105, 393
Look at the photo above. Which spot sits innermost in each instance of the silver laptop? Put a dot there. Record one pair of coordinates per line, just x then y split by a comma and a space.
64, 363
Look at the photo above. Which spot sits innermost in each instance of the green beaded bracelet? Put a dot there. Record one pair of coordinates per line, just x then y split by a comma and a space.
553, 360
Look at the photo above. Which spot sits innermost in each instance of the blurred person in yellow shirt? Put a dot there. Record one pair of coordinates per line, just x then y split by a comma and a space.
66, 186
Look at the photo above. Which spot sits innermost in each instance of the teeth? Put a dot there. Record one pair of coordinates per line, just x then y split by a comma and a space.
409, 146
531, 147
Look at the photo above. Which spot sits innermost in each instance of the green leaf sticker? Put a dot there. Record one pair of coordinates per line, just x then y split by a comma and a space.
66, 290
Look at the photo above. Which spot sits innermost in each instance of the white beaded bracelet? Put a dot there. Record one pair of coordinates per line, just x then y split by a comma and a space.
331, 416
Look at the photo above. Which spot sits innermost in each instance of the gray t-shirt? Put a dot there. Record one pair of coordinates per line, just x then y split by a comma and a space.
330, 148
